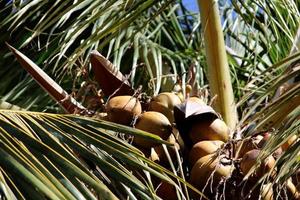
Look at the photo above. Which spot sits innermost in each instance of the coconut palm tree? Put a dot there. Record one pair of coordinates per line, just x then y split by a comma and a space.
71, 157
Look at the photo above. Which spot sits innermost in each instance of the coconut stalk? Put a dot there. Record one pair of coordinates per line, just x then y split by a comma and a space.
218, 68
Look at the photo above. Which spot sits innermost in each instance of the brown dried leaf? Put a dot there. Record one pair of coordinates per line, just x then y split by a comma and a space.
69, 104
191, 108
110, 79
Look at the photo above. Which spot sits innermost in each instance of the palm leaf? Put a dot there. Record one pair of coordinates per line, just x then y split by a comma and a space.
120, 39
71, 157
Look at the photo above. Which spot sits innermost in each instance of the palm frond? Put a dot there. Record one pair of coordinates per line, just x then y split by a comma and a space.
158, 45
71, 157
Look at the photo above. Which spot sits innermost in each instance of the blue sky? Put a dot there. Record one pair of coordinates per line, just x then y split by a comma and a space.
192, 5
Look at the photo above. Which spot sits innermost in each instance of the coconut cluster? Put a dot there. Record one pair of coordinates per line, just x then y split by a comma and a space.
156, 119
204, 141
207, 135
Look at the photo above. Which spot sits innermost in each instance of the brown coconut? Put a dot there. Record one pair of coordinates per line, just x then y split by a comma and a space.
209, 168
166, 191
123, 109
153, 155
155, 123
203, 148
266, 136
250, 159
247, 144
209, 129
171, 149
164, 103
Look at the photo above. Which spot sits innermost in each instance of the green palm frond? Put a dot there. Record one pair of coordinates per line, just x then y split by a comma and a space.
73, 157
259, 34
263, 90
161, 44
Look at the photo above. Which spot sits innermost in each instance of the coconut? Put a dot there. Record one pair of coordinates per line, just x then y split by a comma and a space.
122, 109
153, 155
210, 168
166, 191
155, 123
164, 103
250, 159
208, 129
248, 144
277, 153
159, 150
203, 148
178, 138
266, 136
